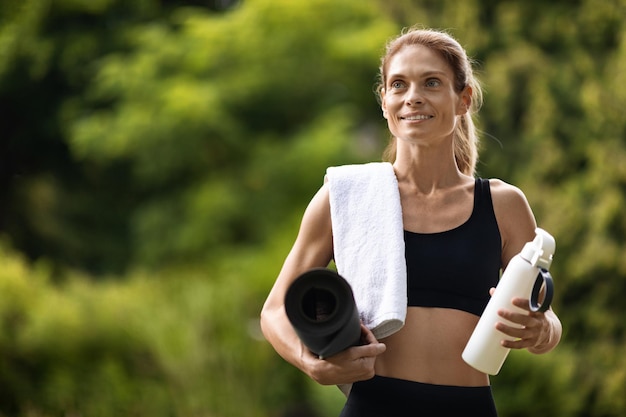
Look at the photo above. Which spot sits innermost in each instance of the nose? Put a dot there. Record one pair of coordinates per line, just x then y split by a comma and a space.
414, 96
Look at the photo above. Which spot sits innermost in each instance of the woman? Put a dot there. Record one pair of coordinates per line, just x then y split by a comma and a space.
427, 94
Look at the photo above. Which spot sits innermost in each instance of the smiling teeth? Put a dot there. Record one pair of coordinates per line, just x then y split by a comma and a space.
417, 117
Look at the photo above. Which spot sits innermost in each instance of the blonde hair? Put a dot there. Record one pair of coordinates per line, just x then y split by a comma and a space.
465, 134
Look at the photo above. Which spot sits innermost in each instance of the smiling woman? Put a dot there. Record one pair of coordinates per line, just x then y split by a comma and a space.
456, 233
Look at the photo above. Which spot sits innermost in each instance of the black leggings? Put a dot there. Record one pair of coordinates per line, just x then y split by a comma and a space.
390, 397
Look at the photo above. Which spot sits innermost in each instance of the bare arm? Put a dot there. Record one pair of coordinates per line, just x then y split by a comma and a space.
314, 248
542, 331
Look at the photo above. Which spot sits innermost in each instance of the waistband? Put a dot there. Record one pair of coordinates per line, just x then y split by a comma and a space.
391, 397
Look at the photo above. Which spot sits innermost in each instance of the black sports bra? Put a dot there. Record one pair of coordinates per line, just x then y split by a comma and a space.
455, 269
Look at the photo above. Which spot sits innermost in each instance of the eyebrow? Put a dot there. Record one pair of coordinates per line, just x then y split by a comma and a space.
435, 72
425, 74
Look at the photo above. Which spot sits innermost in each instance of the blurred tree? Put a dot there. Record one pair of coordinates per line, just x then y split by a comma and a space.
234, 115
49, 207
162, 114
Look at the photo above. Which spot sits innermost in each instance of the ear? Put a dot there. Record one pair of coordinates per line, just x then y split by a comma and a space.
383, 103
465, 101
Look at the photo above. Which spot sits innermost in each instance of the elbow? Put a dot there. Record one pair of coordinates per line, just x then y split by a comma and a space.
265, 321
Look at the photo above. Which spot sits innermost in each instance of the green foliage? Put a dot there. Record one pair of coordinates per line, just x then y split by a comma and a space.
154, 111
185, 342
156, 157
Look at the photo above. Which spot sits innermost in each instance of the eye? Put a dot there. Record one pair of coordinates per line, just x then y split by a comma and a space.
397, 84
433, 82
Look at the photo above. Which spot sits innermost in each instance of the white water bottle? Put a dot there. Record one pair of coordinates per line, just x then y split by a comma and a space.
524, 277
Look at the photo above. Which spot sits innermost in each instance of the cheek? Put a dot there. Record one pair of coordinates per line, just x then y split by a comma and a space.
392, 104
393, 125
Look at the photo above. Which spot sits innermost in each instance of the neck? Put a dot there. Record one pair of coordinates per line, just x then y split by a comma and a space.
427, 168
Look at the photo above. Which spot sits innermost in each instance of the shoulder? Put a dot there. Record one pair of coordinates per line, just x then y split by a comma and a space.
318, 210
514, 216
509, 202
506, 195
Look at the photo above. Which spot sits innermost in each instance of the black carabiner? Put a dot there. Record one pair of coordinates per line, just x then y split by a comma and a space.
543, 277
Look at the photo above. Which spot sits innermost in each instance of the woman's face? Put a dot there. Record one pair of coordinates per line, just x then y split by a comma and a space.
419, 100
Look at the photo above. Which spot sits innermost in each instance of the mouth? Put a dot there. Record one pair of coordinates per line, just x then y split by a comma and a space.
416, 117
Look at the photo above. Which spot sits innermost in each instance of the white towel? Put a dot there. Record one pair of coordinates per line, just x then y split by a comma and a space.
368, 239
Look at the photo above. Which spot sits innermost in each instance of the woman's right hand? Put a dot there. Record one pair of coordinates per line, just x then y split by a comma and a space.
353, 364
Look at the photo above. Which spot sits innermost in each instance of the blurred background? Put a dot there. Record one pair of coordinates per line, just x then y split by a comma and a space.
156, 157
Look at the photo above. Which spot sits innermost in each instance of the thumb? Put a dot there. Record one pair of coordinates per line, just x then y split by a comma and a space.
370, 340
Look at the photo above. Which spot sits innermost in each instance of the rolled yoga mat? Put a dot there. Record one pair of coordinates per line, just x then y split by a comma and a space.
321, 308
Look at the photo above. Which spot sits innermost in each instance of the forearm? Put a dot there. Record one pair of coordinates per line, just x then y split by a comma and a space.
551, 337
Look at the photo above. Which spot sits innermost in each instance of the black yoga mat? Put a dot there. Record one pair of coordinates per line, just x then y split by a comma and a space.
320, 306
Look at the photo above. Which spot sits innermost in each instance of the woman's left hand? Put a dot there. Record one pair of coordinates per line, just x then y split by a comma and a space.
536, 328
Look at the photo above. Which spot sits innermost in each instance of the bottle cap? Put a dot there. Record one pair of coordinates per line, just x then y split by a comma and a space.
540, 251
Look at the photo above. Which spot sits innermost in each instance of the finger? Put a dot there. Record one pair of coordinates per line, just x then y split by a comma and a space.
358, 355
517, 344
519, 338
367, 336
370, 340
522, 319
368, 351
511, 331
492, 290
522, 303
342, 369
371, 346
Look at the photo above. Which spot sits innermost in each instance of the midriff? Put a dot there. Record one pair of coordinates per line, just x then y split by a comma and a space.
428, 348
